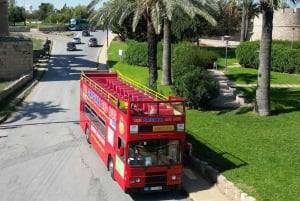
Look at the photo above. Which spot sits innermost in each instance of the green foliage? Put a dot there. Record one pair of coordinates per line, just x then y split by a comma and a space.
284, 58
196, 86
247, 54
186, 55
190, 79
15, 14
137, 53
45, 9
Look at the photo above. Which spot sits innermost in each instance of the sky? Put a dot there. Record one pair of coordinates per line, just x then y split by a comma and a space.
58, 4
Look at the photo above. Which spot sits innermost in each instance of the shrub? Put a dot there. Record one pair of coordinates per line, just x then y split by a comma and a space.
196, 86
247, 55
136, 53
186, 55
284, 58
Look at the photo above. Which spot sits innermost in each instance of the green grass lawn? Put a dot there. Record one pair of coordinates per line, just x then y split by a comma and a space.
249, 76
5, 84
258, 154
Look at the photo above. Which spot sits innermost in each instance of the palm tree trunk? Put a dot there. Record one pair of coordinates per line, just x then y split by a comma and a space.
262, 105
166, 62
4, 31
152, 55
247, 27
242, 38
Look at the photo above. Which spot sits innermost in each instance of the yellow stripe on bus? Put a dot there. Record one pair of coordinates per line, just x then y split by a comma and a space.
97, 142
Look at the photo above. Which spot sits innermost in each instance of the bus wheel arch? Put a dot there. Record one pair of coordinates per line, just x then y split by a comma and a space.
87, 133
110, 166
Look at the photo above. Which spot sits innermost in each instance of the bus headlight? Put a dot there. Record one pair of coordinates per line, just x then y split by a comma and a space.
175, 177
134, 180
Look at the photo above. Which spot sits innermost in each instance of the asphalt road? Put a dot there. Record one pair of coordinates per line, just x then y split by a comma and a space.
43, 152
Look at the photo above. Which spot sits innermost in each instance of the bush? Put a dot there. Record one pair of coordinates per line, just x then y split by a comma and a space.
196, 85
247, 55
137, 53
186, 55
284, 59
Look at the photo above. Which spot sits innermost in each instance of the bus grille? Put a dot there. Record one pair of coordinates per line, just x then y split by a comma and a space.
156, 178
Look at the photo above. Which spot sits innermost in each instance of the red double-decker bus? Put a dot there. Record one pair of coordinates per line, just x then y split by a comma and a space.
138, 133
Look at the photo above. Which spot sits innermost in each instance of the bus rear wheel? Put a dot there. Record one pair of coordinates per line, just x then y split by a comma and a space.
87, 134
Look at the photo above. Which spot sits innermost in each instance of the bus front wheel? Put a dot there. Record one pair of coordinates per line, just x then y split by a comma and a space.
87, 134
110, 167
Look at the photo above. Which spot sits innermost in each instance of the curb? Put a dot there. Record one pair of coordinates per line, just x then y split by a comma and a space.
213, 176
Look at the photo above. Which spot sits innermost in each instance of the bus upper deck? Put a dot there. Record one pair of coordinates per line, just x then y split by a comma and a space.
131, 97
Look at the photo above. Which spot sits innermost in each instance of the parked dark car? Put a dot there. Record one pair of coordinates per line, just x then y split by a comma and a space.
85, 33
71, 46
93, 42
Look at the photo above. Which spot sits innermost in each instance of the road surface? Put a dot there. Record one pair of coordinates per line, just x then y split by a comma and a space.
43, 152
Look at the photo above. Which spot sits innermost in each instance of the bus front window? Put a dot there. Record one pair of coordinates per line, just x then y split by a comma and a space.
154, 152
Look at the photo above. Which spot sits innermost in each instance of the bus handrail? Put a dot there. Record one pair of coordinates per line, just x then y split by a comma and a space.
108, 95
142, 87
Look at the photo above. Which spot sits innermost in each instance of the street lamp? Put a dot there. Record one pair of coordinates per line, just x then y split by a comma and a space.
226, 38
293, 37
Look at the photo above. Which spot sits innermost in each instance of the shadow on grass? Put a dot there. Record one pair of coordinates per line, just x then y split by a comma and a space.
220, 160
285, 100
243, 77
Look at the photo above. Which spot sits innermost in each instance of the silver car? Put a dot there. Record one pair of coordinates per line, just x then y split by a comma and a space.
76, 40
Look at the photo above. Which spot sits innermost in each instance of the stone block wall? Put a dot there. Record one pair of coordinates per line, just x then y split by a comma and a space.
16, 58
286, 25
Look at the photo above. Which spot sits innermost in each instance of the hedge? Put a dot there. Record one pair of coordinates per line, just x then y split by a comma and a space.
283, 58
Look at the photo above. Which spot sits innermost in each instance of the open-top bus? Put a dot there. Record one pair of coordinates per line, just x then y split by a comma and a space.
138, 133
78, 24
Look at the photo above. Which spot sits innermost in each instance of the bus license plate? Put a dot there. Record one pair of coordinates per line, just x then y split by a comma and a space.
153, 188
156, 188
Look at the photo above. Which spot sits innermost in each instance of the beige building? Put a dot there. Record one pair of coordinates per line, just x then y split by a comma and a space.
286, 25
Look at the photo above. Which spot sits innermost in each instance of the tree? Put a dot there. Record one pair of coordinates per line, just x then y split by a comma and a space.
15, 14
249, 10
80, 12
262, 101
191, 8
45, 9
119, 10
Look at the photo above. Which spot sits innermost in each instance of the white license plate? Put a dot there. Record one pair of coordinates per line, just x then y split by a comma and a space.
155, 188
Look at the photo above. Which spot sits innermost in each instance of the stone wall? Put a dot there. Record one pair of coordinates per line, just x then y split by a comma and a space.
286, 25
19, 29
15, 86
16, 58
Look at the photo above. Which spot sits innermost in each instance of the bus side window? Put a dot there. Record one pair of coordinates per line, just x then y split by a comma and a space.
121, 145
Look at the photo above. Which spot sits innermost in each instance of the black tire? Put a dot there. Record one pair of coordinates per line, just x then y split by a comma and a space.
87, 134
110, 167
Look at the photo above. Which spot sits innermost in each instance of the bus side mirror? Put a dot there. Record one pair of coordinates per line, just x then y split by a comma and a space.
188, 149
121, 151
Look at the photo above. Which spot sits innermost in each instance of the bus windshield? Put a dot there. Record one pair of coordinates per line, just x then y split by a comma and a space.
154, 152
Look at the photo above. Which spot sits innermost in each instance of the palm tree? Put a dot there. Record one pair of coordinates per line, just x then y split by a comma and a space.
262, 102
249, 10
119, 10
190, 7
